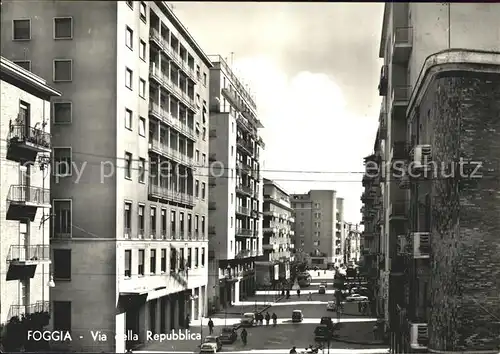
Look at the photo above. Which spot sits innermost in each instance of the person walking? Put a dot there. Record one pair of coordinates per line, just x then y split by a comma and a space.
210, 326
268, 318
244, 336
298, 292
188, 322
275, 319
310, 297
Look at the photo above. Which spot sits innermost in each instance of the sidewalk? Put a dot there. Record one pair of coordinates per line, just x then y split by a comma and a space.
357, 333
252, 304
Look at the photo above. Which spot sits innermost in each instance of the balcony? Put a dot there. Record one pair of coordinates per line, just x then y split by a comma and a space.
402, 43
398, 211
243, 167
270, 213
420, 245
243, 210
399, 101
240, 188
156, 191
242, 254
24, 143
269, 230
255, 174
233, 98
37, 307
255, 214
162, 114
24, 201
23, 260
177, 156
245, 146
383, 81
244, 232
369, 195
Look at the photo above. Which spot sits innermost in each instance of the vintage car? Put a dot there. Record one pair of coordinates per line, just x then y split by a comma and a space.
297, 316
322, 289
356, 298
248, 319
322, 333
330, 306
228, 335
211, 344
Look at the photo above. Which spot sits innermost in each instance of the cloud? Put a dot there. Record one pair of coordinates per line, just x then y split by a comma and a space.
308, 128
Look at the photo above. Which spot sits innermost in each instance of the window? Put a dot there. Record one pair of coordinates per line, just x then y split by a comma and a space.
142, 170
172, 223
197, 155
317, 215
173, 260
142, 88
140, 220
62, 112
130, 4
127, 219
129, 38
62, 162
182, 263
317, 205
140, 266
232, 221
196, 224
62, 315
197, 189
232, 151
62, 218
198, 71
63, 70
152, 221
190, 259
62, 264
196, 257
232, 198
203, 190
152, 261
163, 260
205, 79
128, 78
203, 225
128, 263
142, 126
128, 118
189, 224
164, 223
21, 30
63, 28
181, 224
142, 50
204, 134
203, 256
143, 11
25, 64
203, 159
128, 165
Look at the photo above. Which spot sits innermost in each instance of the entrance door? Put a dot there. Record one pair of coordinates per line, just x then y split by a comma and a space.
152, 315
132, 326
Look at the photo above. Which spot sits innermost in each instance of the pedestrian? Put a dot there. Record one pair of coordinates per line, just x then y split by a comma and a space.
298, 292
360, 307
293, 350
310, 297
188, 322
244, 336
210, 326
268, 318
275, 319
287, 293
375, 331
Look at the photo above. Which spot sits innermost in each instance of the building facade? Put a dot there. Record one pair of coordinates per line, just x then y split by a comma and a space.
235, 187
25, 191
352, 243
442, 154
278, 232
319, 228
130, 143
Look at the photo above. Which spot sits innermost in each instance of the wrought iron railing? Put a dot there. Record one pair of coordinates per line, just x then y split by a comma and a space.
37, 307
21, 133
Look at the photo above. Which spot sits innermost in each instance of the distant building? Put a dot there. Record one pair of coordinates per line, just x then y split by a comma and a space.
319, 218
352, 243
24, 192
278, 231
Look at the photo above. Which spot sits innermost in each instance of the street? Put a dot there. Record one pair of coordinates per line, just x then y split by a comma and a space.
354, 335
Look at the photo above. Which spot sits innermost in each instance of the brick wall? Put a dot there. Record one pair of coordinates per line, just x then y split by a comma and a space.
461, 112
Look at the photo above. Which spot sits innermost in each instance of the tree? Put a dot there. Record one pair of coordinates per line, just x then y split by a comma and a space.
14, 335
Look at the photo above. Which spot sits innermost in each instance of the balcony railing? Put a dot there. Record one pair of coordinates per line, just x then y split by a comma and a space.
37, 307
28, 254
177, 156
20, 194
242, 210
246, 145
36, 138
243, 253
402, 44
164, 115
157, 191
232, 97
244, 232
401, 94
244, 189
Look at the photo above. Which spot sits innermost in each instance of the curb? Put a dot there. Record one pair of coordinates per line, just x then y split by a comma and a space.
238, 326
359, 343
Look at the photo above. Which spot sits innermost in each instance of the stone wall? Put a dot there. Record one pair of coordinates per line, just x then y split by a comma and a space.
461, 115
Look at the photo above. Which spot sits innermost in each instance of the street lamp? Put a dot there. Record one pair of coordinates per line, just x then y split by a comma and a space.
51, 283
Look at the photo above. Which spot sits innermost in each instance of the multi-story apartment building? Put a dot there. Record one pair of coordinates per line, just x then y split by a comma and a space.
319, 228
235, 187
352, 243
24, 191
440, 85
130, 141
278, 242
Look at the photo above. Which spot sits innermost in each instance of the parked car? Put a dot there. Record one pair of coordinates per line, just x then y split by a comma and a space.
248, 319
327, 321
322, 289
228, 335
211, 344
322, 333
297, 316
324, 283
356, 298
330, 306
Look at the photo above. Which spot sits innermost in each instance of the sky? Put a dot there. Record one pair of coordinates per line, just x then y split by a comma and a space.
314, 70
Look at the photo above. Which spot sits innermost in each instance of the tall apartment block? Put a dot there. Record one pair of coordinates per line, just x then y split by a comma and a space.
440, 86
25, 192
130, 147
352, 243
319, 226
235, 187
279, 230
